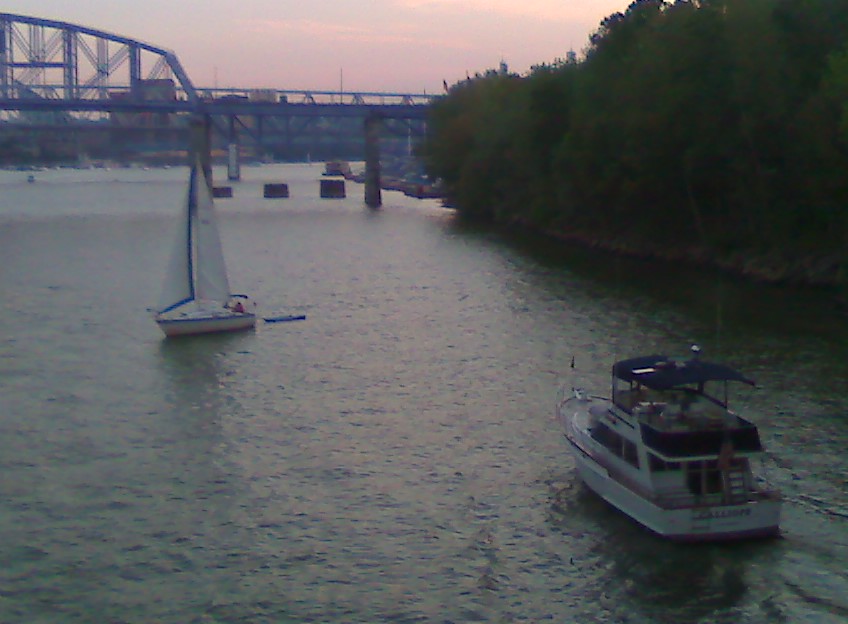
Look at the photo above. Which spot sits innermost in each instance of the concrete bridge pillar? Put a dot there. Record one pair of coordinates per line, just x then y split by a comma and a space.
233, 157
199, 143
373, 197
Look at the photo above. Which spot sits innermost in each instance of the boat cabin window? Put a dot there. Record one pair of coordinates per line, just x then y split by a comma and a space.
703, 477
617, 444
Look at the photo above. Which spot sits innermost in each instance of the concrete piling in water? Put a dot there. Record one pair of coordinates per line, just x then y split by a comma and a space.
233, 163
333, 189
373, 194
233, 156
199, 144
276, 191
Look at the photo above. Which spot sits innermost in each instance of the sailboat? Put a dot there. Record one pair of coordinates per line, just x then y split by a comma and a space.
196, 297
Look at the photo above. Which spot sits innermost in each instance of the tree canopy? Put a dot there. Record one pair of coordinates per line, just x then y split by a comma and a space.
715, 127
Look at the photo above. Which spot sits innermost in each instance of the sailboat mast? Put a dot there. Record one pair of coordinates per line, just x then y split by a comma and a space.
200, 145
191, 214
199, 157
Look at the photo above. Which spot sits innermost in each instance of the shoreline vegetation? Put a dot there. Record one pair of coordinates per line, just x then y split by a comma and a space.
712, 132
819, 270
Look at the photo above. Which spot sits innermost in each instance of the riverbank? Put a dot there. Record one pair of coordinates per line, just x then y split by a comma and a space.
773, 267
820, 270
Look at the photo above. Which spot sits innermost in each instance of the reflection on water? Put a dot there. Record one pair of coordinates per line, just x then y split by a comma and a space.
392, 458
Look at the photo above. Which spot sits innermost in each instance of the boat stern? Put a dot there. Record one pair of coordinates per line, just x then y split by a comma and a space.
754, 519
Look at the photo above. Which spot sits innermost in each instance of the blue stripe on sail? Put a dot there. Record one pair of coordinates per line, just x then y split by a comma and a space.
190, 215
176, 305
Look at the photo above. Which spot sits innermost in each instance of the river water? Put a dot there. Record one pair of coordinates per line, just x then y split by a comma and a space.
392, 458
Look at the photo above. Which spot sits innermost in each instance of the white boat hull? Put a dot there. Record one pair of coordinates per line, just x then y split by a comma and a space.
696, 523
758, 516
191, 325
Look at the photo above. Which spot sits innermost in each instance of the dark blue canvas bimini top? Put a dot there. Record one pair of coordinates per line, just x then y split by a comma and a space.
660, 372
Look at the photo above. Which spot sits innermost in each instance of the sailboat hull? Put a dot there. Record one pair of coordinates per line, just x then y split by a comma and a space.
192, 325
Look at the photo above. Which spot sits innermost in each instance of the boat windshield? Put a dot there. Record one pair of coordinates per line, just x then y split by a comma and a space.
658, 378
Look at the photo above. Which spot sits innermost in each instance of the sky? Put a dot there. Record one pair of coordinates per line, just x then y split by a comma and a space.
399, 46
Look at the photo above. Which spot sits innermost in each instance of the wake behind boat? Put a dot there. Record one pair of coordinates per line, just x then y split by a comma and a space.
196, 297
670, 454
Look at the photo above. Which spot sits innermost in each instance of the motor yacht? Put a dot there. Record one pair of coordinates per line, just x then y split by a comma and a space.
666, 449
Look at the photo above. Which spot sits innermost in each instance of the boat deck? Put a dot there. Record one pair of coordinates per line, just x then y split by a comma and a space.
676, 410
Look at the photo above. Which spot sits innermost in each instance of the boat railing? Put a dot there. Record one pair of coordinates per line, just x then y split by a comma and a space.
568, 392
628, 399
682, 499
683, 443
564, 394
686, 500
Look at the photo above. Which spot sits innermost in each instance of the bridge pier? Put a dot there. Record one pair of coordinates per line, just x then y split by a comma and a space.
373, 195
200, 143
233, 156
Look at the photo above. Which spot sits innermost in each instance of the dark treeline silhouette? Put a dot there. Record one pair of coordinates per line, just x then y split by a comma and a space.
714, 130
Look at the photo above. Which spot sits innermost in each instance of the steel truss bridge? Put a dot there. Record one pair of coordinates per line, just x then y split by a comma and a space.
55, 73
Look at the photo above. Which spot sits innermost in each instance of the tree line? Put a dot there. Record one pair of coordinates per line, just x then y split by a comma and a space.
708, 129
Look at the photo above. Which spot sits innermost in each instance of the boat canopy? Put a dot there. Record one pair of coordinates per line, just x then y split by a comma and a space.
660, 372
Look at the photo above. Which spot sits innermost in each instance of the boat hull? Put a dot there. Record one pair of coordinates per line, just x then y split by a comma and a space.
189, 326
750, 519
758, 516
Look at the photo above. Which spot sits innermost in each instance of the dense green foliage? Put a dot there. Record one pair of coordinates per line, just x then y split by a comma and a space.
712, 125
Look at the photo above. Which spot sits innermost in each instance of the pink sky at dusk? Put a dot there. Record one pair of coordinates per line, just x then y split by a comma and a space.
406, 46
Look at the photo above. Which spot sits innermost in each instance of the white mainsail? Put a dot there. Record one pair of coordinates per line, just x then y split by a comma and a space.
210, 271
196, 269
178, 286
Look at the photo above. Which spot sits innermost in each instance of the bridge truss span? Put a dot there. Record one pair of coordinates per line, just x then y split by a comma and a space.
60, 81
44, 59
